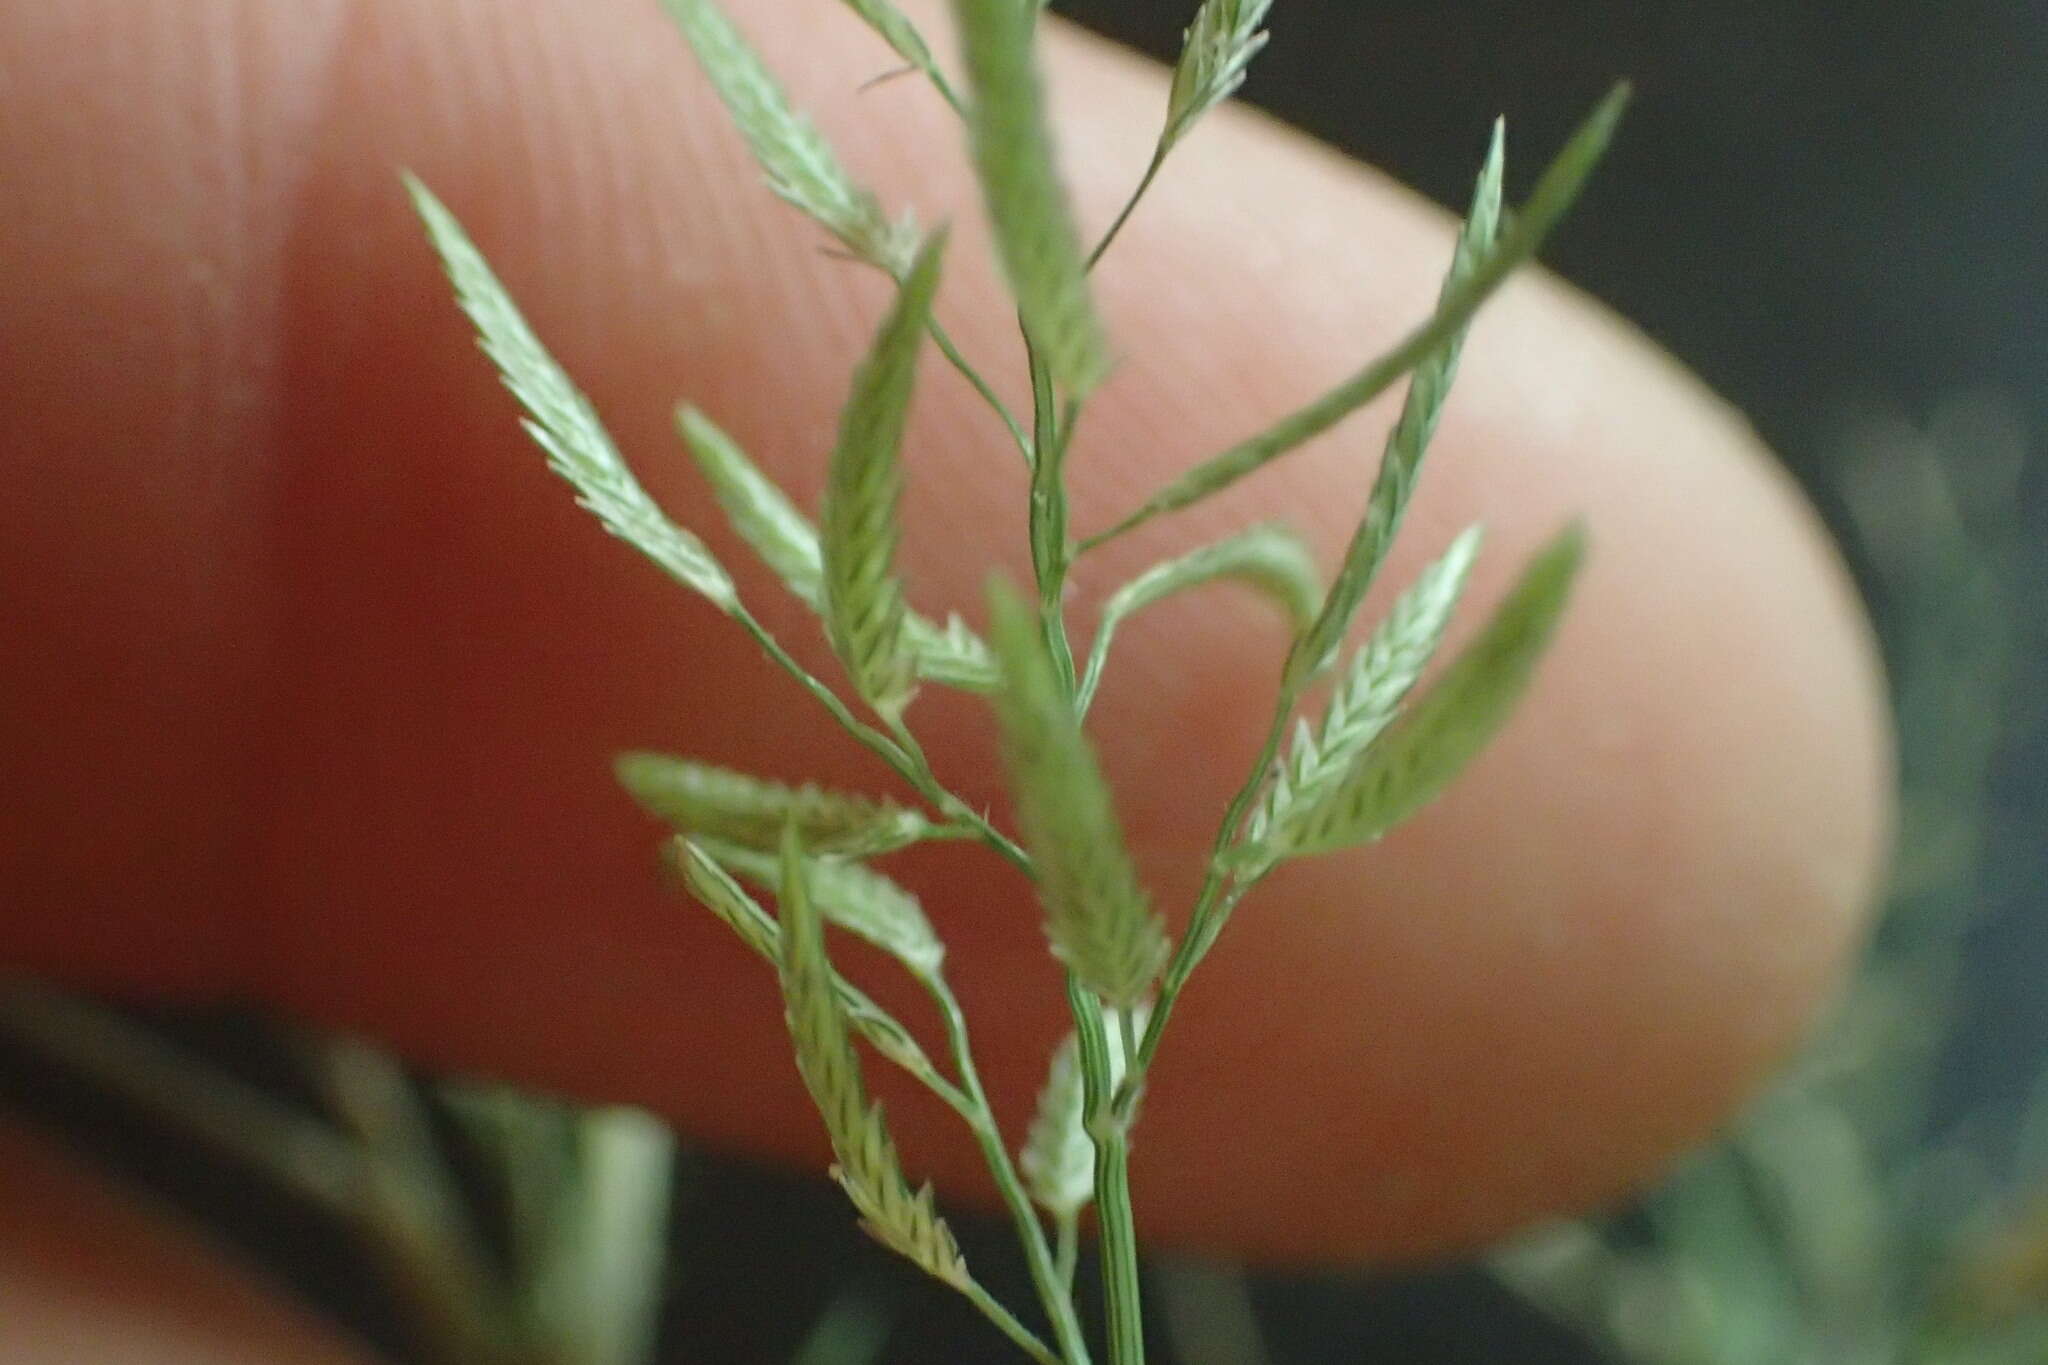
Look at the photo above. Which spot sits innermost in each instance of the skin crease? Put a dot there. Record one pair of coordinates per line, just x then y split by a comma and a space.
313, 670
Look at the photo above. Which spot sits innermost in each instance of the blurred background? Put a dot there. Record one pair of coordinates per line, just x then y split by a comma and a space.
1834, 214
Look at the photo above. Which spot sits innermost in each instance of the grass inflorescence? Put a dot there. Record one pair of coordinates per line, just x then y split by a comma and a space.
1374, 753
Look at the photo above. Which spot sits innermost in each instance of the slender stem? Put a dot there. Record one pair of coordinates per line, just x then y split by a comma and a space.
1023, 1336
950, 805
1051, 550
1109, 1129
1055, 1291
1121, 1286
982, 387
887, 749
1213, 904
1124, 215
902, 752
1067, 1251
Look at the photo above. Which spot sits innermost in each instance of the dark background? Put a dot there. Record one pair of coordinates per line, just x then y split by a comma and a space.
1825, 210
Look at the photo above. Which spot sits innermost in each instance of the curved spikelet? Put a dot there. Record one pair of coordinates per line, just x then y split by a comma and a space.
1417, 758
560, 419
799, 164
1364, 703
1215, 50
698, 798
867, 1166
714, 888
864, 610
759, 510
1401, 465
1027, 208
1096, 914
853, 896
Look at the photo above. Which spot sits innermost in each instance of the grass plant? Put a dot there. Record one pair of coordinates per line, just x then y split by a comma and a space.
1356, 745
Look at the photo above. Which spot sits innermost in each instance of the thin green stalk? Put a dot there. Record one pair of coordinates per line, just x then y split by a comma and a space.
1055, 1289
1130, 205
884, 747
945, 343
1212, 905
921, 776
1006, 1322
902, 752
1051, 550
1122, 1291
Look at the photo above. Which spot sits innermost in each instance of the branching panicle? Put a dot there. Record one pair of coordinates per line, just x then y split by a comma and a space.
1554, 195
1375, 754
1271, 560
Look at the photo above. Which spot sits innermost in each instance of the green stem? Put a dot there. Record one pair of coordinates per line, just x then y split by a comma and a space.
1110, 1131
1051, 551
901, 752
884, 747
1213, 903
949, 804
1007, 1323
1054, 1289
1130, 205
982, 387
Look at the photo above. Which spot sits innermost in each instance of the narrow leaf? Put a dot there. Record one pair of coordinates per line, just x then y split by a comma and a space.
868, 1168
1214, 52
1027, 208
561, 420
1058, 1160
1269, 559
1097, 917
1366, 700
851, 895
1408, 442
698, 798
715, 888
759, 511
1418, 757
864, 611
799, 164
1555, 192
